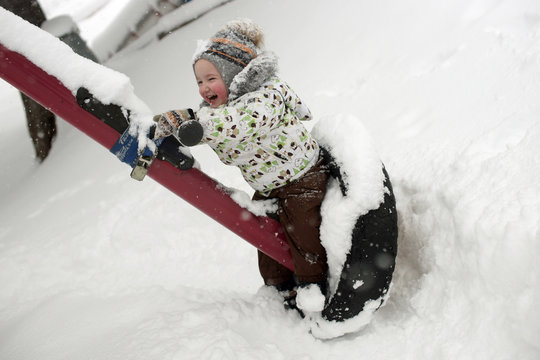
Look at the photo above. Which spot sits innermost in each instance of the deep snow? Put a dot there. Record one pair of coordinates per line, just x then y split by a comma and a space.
96, 265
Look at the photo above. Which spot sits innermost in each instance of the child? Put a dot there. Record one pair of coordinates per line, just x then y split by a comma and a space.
251, 119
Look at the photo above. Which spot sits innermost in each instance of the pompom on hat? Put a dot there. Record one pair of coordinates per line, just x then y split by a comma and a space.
232, 48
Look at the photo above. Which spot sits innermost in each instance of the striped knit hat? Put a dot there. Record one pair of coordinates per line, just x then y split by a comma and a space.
232, 48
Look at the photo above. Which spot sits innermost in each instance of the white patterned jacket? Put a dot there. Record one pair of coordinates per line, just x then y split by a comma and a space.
261, 133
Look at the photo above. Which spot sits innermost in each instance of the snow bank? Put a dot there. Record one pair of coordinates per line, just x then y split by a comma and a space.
449, 93
470, 223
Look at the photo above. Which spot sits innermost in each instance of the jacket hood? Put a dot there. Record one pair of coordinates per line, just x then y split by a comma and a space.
256, 73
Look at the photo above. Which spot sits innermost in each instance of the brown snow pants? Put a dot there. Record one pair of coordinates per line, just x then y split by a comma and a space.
299, 206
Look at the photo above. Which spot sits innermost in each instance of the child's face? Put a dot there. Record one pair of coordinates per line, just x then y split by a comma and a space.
212, 88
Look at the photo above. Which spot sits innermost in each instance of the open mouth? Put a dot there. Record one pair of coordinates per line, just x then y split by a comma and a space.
212, 98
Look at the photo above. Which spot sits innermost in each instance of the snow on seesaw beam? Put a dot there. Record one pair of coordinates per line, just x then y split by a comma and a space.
58, 60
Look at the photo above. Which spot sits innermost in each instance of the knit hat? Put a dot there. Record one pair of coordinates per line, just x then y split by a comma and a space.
232, 48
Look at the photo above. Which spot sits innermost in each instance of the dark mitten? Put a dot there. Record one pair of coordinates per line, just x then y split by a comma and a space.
170, 121
190, 133
181, 124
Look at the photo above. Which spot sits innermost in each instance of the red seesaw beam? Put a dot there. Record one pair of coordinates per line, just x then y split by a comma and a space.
192, 185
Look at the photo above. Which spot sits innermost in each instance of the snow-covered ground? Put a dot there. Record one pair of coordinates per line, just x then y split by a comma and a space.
94, 265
